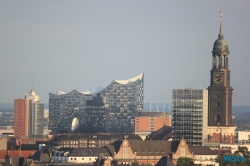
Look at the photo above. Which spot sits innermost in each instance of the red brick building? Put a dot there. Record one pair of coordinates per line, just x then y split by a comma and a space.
16, 153
151, 121
21, 112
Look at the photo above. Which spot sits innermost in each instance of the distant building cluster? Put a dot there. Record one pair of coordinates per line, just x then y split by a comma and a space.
96, 127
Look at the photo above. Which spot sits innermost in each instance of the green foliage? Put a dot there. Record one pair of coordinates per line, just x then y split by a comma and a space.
244, 151
135, 163
220, 160
241, 151
185, 161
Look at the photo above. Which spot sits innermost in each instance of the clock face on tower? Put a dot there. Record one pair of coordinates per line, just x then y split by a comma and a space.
218, 78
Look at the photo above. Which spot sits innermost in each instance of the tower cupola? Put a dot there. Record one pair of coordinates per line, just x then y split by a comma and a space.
220, 50
220, 45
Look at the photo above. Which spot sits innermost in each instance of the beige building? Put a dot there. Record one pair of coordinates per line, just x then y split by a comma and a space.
243, 137
3, 144
201, 155
145, 152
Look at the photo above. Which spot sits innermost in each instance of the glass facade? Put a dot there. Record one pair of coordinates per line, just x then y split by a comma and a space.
111, 110
187, 122
36, 115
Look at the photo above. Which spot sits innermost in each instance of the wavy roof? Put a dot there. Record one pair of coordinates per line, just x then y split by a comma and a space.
99, 89
130, 80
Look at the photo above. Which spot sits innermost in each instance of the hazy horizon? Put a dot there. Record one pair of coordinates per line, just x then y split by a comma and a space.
78, 45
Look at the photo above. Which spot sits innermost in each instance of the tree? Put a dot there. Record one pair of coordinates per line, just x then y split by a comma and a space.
220, 160
185, 161
135, 163
242, 151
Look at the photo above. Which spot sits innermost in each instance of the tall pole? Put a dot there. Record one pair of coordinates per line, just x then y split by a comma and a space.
20, 148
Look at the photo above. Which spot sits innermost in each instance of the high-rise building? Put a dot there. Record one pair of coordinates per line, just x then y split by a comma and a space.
112, 109
28, 116
220, 94
21, 112
189, 115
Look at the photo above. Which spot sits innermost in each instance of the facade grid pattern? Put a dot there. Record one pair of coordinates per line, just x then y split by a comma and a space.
113, 109
187, 105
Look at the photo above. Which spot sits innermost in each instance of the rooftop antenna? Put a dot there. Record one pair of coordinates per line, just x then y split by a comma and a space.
32, 86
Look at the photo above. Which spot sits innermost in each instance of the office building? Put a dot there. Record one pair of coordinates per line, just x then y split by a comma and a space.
28, 116
151, 121
220, 93
189, 118
112, 109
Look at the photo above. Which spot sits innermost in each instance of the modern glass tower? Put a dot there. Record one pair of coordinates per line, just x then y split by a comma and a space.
189, 119
36, 115
112, 109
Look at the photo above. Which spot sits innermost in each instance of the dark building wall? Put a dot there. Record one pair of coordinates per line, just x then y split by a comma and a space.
220, 90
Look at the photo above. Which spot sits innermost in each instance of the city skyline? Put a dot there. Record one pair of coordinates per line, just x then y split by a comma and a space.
83, 44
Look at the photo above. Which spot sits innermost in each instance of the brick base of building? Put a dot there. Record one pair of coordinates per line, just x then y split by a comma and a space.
221, 134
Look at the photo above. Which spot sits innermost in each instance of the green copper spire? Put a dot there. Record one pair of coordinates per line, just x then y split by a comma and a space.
221, 31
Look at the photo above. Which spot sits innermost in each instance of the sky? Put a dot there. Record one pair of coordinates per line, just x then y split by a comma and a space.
78, 44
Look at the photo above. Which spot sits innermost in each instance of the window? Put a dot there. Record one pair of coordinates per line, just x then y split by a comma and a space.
217, 117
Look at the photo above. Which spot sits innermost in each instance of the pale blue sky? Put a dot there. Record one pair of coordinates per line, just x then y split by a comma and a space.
78, 45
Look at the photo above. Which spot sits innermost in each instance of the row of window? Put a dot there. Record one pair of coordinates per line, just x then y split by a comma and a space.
65, 158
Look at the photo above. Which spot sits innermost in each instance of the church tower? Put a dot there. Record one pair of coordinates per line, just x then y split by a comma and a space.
220, 128
220, 90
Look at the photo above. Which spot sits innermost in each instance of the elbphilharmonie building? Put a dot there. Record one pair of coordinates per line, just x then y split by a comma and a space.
111, 109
